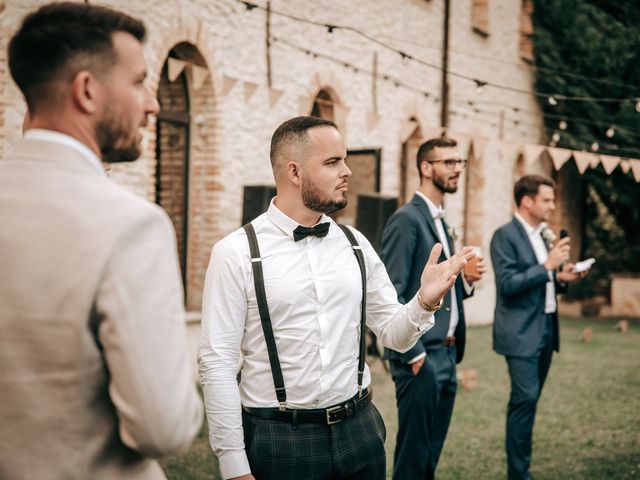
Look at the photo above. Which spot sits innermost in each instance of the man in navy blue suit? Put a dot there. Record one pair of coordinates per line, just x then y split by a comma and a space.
530, 269
425, 376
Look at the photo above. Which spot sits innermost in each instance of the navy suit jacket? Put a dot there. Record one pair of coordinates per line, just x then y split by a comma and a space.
520, 293
407, 240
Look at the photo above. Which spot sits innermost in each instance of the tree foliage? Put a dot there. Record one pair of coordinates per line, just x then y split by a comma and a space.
591, 48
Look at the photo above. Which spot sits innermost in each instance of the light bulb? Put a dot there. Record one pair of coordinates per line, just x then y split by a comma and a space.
562, 125
610, 132
553, 101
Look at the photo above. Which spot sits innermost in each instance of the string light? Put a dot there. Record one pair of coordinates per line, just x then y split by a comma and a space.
377, 41
610, 132
595, 146
562, 125
330, 29
555, 137
249, 8
480, 84
552, 101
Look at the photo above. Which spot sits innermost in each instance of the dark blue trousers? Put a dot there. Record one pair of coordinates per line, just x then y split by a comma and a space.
527, 379
425, 404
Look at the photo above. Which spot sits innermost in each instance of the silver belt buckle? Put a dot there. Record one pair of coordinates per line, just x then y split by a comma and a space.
330, 411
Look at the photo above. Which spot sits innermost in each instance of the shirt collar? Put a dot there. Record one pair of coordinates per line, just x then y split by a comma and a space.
436, 211
283, 222
531, 231
68, 141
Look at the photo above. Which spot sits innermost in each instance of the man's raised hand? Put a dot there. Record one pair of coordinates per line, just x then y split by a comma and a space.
438, 278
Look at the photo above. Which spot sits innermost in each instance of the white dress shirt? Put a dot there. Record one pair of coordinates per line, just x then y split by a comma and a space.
64, 139
314, 292
541, 252
438, 215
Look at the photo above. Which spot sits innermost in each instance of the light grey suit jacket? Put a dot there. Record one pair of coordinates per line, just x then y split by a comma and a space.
95, 378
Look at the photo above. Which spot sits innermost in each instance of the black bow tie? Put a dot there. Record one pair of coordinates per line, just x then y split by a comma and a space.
319, 230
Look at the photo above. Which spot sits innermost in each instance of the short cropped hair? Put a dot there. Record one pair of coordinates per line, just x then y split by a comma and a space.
295, 131
529, 186
429, 145
58, 40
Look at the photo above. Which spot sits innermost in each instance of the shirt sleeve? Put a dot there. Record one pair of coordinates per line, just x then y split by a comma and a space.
144, 339
224, 312
397, 326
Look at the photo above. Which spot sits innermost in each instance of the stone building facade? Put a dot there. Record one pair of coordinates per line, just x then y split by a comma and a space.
226, 78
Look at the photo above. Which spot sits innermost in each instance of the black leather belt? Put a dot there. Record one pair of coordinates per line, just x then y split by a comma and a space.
329, 415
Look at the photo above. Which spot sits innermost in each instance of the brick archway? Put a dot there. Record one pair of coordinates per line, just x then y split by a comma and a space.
186, 171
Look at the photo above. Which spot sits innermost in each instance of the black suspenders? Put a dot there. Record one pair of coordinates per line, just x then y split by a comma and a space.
265, 318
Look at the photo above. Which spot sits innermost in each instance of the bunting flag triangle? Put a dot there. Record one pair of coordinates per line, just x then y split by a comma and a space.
464, 143
372, 120
174, 68
274, 96
305, 104
625, 166
435, 132
249, 89
635, 168
340, 113
200, 74
583, 160
532, 152
559, 156
407, 129
227, 84
594, 161
609, 163
509, 152
478, 147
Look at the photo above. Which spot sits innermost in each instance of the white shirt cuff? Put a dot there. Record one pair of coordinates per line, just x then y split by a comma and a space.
467, 288
416, 358
234, 464
422, 319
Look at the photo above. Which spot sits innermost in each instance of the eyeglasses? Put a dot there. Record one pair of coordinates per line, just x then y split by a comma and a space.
451, 163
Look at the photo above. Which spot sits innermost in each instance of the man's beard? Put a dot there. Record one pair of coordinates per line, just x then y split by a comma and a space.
440, 185
108, 133
313, 199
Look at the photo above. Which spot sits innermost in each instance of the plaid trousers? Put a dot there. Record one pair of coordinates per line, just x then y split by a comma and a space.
349, 450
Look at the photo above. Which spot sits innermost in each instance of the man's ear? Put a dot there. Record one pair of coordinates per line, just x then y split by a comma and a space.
425, 169
293, 173
86, 91
526, 202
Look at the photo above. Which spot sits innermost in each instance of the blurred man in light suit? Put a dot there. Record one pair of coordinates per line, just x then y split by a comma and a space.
95, 379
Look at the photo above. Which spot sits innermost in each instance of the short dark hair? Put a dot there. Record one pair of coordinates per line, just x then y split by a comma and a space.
58, 40
429, 145
295, 131
529, 185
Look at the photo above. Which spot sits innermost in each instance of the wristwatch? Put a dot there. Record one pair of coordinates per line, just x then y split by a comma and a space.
425, 306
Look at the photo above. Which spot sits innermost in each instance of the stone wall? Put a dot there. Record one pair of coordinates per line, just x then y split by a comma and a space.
234, 112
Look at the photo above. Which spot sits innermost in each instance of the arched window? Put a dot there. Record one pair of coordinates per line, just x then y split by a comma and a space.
323, 106
172, 154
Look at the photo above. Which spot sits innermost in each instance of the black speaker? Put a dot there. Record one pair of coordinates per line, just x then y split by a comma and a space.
256, 201
373, 212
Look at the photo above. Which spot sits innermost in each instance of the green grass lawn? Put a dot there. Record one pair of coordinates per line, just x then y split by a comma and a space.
587, 426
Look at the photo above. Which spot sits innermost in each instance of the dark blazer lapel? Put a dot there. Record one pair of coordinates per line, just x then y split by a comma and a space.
525, 238
449, 238
422, 207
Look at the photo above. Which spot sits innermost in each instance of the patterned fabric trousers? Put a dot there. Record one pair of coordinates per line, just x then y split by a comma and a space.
349, 450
